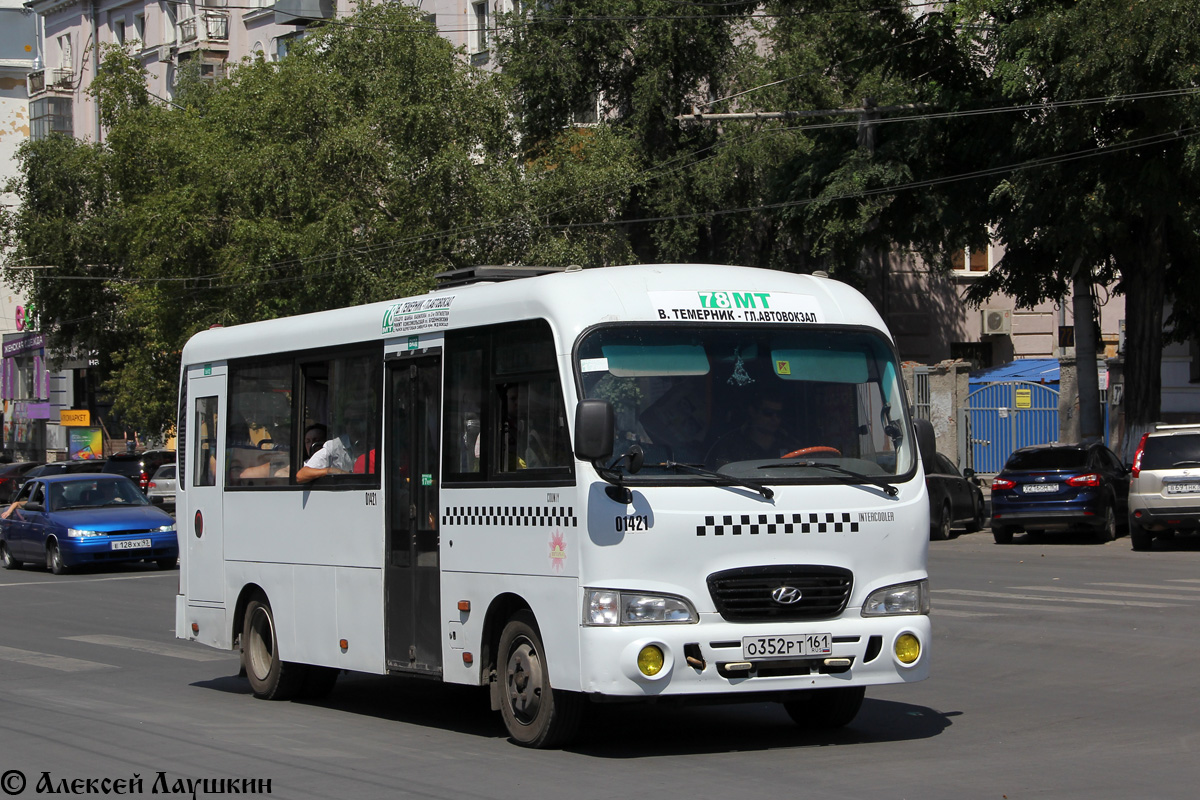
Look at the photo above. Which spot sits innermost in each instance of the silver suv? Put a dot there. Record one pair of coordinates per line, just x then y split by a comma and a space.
1164, 486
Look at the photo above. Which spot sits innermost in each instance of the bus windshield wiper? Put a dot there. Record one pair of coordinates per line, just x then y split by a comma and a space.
765, 491
857, 477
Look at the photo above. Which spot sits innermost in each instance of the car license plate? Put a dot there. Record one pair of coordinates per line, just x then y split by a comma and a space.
795, 646
131, 544
1182, 488
1039, 488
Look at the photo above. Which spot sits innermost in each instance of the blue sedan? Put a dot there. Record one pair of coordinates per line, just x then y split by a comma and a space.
72, 520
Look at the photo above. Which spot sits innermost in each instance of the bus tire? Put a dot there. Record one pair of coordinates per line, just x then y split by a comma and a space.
270, 678
825, 709
535, 714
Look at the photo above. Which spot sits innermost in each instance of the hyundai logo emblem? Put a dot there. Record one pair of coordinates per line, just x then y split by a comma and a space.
786, 595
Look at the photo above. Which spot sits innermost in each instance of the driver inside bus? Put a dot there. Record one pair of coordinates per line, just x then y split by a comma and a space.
761, 436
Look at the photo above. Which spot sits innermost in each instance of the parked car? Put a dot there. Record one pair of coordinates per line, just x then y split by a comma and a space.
55, 468
161, 490
138, 467
953, 497
69, 520
1060, 487
11, 475
1164, 486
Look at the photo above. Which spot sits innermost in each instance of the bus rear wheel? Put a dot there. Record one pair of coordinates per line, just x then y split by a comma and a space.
535, 714
825, 709
270, 678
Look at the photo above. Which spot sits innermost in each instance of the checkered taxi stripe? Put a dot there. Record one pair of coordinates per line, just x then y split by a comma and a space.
511, 516
776, 523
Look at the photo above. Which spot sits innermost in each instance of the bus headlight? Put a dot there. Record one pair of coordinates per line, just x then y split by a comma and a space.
614, 607
903, 598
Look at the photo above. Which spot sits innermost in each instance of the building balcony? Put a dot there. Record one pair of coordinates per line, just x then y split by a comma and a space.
209, 27
53, 81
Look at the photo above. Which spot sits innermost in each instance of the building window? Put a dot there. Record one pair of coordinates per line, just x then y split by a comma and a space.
118, 29
64, 51
49, 115
971, 262
170, 21
479, 35
139, 28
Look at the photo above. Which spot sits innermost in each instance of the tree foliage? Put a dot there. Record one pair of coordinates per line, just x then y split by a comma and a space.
353, 170
1111, 186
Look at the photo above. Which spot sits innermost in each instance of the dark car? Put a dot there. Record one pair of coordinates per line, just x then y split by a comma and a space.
11, 475
1060, 487
953, 497
55, 468
138, 467
68, 520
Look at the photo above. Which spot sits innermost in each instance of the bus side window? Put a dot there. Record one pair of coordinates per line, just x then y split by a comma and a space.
204, 471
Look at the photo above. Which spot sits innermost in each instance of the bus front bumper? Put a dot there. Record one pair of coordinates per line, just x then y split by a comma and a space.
708, 658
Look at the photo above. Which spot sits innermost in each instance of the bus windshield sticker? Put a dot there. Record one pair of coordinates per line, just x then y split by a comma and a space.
727, 306
593, 365
420, 314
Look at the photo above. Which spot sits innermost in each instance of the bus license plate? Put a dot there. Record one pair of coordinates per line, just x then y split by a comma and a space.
1183, 488
1039, 488
131, 544
796, 646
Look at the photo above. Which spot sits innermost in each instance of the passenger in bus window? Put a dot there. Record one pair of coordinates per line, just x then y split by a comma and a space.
344, 454
315, 436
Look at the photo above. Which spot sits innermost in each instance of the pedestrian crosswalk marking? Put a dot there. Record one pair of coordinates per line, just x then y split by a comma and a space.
48, 661
1149, 586
1044, 599
156, 648
1110, 593
954, 601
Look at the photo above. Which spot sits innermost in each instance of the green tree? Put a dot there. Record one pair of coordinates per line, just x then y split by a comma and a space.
1114, 188
353, 170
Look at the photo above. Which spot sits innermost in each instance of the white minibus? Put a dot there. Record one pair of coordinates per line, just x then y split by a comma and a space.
685, 482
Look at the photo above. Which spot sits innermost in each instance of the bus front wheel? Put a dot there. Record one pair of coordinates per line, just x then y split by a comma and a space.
270, 678
535, 714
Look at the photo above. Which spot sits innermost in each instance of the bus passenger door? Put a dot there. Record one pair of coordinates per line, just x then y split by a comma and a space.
412, 579
199, 524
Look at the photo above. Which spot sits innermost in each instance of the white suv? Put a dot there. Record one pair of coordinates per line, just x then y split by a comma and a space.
1164, 486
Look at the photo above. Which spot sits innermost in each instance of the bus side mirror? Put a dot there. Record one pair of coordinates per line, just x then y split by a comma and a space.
594, 430
926, 441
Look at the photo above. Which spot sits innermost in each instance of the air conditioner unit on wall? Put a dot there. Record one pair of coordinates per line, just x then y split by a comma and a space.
996, 322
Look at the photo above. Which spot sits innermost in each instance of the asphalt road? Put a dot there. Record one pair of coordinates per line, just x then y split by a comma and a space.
1062, 670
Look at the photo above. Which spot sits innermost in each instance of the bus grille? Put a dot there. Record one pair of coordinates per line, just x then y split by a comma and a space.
744, 594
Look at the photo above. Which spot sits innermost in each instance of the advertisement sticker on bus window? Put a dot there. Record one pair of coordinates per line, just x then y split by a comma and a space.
422, 313
732, 306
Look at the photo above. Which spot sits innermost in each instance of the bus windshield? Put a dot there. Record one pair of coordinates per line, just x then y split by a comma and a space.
756, 402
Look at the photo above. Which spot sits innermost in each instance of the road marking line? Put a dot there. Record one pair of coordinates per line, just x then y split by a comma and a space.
949, 601
69, 582
1149, 586
59, 663
1183, 580
1065, 590
157, 648
1088, 600
947, 612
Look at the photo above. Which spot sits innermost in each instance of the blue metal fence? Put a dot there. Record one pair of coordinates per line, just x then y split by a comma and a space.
1006, 415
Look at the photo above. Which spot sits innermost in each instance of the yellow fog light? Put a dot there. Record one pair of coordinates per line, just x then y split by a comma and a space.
650, 660
908, 648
